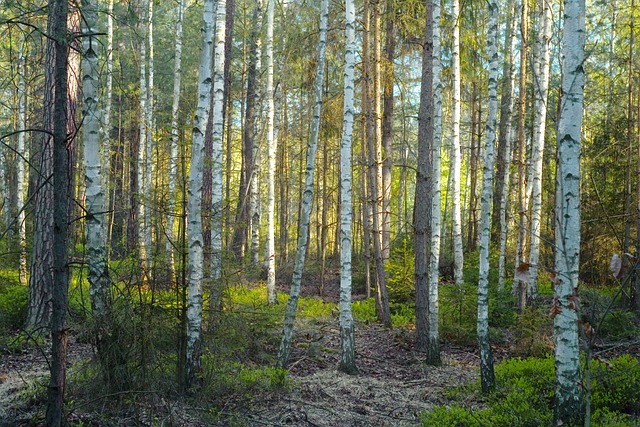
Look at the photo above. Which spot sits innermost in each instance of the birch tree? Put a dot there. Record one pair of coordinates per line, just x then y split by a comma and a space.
271, 168
175, 141
541, 88
22, 160
487, 375
96, 241
142, 141
149, 124
220, 61
568, 391
456, 149
506, 131
433, 347
347, 338
307, 195
194, 203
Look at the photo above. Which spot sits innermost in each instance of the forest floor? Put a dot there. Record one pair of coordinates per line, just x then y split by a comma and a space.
392, 388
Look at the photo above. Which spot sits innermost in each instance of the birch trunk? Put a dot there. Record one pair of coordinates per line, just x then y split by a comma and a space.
194, 203
96, 240
456, 155
520, 156
142, 141
433, 347
347, 339
307, 195
22, 159
541, 88
487, 375
175, 143
506, 131
255, 211
272, 149
217, 204
106, 126
568, 409
387, 125
149, 123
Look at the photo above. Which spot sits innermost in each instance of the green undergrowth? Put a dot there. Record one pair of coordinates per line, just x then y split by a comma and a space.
524, 396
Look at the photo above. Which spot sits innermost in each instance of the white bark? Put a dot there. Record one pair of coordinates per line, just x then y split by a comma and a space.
216, 166
255, 212
175, 142
271, 168
433, 349
140, 184
486, 357
541, 88
98, 272
149, 123
347, 340
507, 167
194, 203
567, 211
456, 150
22, 159
106, 115
307, 195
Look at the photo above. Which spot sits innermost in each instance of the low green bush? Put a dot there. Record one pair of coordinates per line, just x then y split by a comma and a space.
524, 396
13, 306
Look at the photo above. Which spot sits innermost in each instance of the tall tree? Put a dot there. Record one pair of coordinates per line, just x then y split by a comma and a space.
520, 155
487, 375
503, 169
173, 160
194, 203
307, 195
433, 347
220, 61
272, 149
541, 88
148, 142
22, 160
143, 128
424, 179
456, 149
387, 121
96, 239
347, 334
568, 408
59, 46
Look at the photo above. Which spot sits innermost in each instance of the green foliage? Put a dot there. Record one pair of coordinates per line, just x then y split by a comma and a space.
13, 306
365, 310
525, 396
401, 271
533, 333
616, 385
230, 383
458, 312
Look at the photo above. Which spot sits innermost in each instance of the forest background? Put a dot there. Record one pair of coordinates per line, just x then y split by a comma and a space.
158, 175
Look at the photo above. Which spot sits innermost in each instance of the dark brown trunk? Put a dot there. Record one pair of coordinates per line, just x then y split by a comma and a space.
58, 10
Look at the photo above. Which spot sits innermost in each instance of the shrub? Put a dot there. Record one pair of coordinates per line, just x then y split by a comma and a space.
13, 307
401, 271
